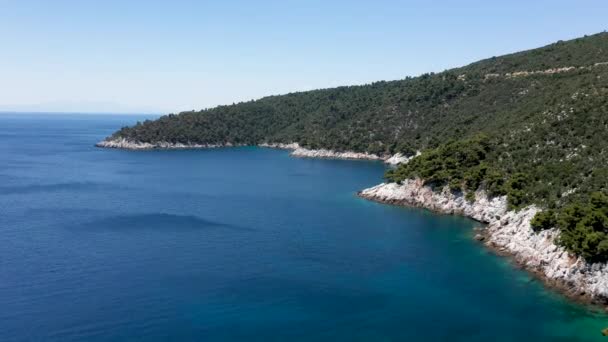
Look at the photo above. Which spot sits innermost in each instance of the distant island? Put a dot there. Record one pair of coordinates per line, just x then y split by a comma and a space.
519, 142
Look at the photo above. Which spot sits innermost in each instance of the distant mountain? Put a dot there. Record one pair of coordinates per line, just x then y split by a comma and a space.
532, 125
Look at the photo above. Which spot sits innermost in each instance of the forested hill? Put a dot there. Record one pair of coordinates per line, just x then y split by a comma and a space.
413, 113
531, 125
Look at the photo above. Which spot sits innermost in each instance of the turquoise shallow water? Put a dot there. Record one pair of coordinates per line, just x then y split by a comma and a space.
239, 244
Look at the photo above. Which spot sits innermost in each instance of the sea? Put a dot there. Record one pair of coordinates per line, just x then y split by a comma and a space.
240, 244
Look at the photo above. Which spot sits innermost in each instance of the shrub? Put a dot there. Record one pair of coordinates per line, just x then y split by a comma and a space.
470, 196
584, 228
544, 220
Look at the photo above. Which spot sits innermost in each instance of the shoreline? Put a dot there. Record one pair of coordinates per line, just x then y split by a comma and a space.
295, 148
561, 288
302, 152
508, 234
124, 144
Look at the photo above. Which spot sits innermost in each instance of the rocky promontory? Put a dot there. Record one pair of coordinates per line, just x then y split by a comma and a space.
508, 233
122, 143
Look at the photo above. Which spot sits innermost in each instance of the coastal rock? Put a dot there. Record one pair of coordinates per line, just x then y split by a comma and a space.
123, 143
508, 232
396, 159
282, 146
414, 193
399, 158
329, 154
297, 150
302, 152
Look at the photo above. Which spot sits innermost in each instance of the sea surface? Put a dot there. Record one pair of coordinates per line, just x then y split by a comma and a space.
239, 244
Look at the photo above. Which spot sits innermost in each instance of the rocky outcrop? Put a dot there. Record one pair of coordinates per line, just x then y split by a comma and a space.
509, 233
413, 193
399, 158
544, 72
302, 152
282, 146
539, 72
123, 143
329, 154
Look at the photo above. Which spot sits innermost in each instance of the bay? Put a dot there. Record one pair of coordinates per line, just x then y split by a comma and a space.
239, 244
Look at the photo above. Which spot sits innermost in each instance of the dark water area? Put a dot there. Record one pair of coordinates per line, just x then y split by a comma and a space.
240, 244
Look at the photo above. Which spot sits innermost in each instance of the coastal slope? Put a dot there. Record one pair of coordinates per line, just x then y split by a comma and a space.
387, 117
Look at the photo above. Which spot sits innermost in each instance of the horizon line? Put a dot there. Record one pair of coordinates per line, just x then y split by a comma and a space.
79, 113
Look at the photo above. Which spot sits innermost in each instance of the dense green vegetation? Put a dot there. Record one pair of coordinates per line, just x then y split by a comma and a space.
583, 226
464, 165
538, 138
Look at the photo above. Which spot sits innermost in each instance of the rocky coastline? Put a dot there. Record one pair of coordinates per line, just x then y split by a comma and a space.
329, 154
301, 152
507, 233
296, 150
399, 158
125, 144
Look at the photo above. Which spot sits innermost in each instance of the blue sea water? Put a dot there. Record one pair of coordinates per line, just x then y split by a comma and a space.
241, 244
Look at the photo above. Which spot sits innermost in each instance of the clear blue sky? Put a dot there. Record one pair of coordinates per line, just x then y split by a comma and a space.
164, 56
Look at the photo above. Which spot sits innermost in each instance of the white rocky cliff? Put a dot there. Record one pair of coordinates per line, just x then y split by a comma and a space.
507, 232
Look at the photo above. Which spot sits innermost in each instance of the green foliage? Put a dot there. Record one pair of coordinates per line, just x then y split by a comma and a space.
462, 165
546, 219
397, 116
584, 228
455, 185
517, 196
470, 196
456, 163
475, 176
539, 138
578, 52
495, 183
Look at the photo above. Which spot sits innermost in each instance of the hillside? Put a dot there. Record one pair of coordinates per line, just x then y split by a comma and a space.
530, 125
